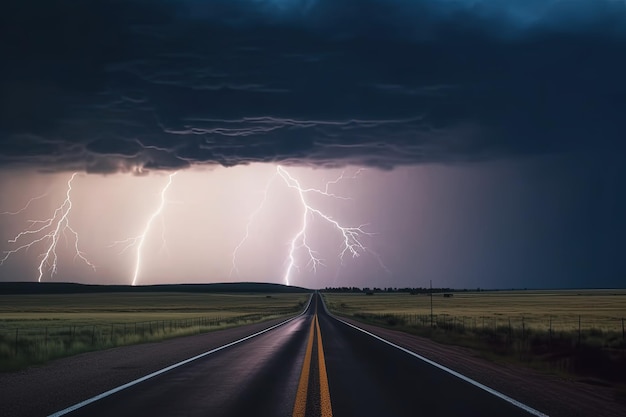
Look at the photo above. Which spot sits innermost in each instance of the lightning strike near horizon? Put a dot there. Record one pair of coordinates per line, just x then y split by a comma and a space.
248, 224
52, 228
140, 239
351, 236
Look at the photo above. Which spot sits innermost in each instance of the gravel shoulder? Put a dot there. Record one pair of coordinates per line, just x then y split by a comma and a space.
552, 395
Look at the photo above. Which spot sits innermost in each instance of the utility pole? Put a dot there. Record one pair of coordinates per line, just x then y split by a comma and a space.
431, 303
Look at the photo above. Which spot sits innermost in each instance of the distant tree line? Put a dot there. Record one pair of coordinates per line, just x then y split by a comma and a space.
414, 291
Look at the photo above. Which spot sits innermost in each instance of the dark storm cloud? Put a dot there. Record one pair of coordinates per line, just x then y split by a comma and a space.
132, 85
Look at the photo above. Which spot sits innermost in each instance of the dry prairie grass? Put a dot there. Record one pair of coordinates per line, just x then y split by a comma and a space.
35, 328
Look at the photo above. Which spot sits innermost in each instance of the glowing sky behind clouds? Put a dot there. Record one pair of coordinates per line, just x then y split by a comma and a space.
492, 133
193, 238
542, 222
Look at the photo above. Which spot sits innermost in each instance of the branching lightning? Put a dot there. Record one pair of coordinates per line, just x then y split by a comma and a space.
52, 228
351, 236
249, 223
139, 240
23, 209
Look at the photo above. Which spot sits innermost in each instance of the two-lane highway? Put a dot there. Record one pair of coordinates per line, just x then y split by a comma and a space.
313, 365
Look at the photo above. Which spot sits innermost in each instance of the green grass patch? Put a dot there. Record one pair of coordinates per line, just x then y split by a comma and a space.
35, 328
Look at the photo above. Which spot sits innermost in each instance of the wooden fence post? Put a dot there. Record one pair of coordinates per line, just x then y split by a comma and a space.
550, 330
510, 330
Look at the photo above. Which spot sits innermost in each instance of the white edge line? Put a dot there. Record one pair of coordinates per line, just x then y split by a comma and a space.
169, 368
477, 384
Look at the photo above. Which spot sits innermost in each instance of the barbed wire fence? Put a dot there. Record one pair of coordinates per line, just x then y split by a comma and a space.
43, 342
578, 329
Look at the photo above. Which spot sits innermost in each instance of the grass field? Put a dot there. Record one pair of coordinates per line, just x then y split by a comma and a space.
576, 331
35, 328
599, 309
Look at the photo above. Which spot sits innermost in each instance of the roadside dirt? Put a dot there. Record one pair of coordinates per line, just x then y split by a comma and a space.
552, 395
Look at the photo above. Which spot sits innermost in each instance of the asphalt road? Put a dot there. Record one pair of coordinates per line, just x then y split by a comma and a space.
313, 365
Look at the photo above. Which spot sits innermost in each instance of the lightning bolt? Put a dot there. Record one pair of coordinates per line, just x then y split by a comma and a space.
249, 223
139, 240
52, 228
351, 236
12, 213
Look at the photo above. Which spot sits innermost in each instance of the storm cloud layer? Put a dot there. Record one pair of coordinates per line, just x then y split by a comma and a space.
138, 85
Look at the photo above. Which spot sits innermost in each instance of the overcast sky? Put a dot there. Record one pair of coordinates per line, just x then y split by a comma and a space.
490, 136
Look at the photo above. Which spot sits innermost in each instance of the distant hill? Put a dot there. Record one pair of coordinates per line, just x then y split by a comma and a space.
71, 288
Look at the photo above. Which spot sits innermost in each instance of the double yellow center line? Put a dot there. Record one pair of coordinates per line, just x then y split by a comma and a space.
299, 408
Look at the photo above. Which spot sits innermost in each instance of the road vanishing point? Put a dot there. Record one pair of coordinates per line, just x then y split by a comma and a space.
311, 365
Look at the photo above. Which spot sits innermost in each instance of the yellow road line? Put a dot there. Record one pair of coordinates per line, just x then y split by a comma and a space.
326, 408
299, 407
